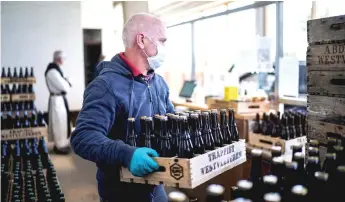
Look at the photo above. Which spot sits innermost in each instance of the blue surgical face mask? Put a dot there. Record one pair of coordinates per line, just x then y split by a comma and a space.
157, 60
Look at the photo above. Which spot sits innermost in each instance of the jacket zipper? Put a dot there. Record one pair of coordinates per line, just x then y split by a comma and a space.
151, 99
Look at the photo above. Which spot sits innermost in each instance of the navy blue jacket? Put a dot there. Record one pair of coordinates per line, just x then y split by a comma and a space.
113, 96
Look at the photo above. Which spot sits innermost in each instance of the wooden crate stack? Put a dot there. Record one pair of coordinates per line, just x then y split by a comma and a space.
326, 78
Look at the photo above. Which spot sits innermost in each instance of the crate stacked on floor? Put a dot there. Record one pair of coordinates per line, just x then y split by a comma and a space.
287, 132
27, 174
326, 78
194, 147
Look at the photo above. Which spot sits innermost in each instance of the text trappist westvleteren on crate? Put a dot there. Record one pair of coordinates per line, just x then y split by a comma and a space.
194, 147
287, 132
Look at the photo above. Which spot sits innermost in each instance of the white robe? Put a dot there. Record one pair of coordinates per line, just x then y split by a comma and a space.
58, 117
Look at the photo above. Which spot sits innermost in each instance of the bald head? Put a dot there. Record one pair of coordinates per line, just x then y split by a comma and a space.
145, 24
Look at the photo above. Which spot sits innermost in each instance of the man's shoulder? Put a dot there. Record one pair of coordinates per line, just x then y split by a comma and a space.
160, 81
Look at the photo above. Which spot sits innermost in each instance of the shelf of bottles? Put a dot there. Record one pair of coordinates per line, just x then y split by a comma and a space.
194, 146
287, 131
19, 117
27, 173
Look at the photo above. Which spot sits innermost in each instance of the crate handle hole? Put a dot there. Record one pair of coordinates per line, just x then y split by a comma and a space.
266, 142
161, 169
254, 107
338, 82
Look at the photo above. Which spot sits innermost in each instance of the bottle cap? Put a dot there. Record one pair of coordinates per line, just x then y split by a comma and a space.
332, 156
314, 143
131, 119
177, 196
313, 159
242, 200
244, 184
215, 189
298, 155
278, 160
299, 190
270, 179
256, 152
272, 197
291, 165
321, 176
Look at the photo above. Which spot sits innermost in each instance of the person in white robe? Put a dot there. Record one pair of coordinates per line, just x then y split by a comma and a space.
59, 127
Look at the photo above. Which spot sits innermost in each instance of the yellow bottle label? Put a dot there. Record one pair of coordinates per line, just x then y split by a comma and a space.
230, 93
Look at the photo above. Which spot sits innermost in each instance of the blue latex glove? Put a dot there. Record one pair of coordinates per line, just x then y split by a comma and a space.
142, 163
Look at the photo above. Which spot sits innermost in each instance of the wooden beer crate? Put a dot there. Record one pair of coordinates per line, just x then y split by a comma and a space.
326, 77
190, 173
5, 80
266, 142
23, 133
319, 127
239, 106
326, 30
326, 57
23, 97
327, 83
5, 97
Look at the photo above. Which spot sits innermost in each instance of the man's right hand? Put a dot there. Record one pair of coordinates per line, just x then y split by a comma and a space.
142, 163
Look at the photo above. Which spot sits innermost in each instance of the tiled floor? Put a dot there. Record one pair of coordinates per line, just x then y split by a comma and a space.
77, 178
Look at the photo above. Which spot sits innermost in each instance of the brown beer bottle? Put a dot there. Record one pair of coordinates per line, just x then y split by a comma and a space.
313, 151
215, 193
131, 136
225, 127
185, 149
148, 132
216, 132
206, 132
314, 143
257, 126
165, 148
233, 125
198, 142
244, 189
331, 142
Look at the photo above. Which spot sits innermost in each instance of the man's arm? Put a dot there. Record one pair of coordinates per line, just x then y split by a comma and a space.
58, 81
89, 140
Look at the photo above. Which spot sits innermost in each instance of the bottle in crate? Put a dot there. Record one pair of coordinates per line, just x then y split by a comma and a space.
185, 148
206, 132
225, 130
215, 128
233, 125
177, 196
198, 142
164, 143
131, 137
215, 193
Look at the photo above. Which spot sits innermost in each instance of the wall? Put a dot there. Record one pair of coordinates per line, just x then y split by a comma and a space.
132, 7
103, 15
31, 31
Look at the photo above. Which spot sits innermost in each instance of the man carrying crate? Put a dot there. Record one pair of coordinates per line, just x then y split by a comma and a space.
126, 86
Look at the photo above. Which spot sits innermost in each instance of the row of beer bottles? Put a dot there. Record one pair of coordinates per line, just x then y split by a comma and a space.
15, 121
291, 125
30, 155
26, 74
17, 89
307, 173
24, 150
185, 134
18, 106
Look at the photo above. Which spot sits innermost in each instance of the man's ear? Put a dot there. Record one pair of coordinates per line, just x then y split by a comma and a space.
140, 41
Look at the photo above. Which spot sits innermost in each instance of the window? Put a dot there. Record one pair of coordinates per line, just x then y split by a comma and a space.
271, 27
329, 8
178, 65
295, 17
219, 43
